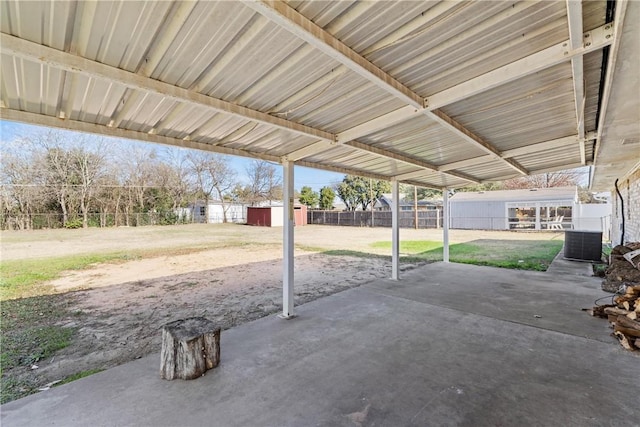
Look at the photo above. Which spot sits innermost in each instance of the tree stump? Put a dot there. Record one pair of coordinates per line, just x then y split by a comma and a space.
190, 347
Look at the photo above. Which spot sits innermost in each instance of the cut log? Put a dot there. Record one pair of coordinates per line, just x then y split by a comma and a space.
598, 311
624, 341
630, 333
190, 347
615, 311
628, 323
633, 290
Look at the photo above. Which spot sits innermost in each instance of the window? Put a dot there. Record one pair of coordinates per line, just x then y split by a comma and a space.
203, 211
521, 216
539, 215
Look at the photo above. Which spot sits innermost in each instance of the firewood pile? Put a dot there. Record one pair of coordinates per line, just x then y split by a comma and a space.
623, 279
624, 316
622, 272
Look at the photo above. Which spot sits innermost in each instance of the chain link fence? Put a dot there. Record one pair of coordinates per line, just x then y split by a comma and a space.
40, 221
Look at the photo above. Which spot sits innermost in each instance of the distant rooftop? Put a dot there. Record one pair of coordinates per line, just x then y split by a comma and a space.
555, 193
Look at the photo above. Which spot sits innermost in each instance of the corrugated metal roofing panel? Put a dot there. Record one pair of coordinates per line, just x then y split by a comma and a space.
534, 109
592, 69
490, 170
229, 51
424, 139
445, 53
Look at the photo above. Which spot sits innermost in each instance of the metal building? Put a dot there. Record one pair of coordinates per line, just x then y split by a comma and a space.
529, 209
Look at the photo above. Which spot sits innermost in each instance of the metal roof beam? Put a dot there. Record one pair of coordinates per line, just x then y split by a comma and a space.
556, 54
405, 159
536, 172
54, 122
310, 150
296, 23
520, 151
468, 136
45, 55
411, 175
546, 145
574, 20
383, 122
302, 27
347, 171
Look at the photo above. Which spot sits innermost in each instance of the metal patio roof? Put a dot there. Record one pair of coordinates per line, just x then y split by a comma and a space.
438, 94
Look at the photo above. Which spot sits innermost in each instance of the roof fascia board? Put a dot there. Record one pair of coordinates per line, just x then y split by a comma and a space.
616, 27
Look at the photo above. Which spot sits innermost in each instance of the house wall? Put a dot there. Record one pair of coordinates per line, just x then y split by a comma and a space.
630, 190
592, 217
235, 213
478, 215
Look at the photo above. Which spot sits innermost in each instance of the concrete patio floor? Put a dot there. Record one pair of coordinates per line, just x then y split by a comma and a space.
448, 345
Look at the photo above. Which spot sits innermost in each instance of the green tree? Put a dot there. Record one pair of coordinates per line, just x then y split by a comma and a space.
355, 190
487, 186
308, 197
327, 196
423, 193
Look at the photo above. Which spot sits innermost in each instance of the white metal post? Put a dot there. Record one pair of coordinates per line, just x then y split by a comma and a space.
395, 230
445, 225
289, 221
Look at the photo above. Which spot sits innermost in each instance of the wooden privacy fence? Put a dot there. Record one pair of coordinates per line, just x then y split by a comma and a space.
426, 219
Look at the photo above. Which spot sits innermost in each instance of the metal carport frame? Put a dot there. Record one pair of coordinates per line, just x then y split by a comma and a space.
435, 94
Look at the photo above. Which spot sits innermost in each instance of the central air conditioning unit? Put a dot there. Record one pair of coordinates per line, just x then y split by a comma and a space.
583, 245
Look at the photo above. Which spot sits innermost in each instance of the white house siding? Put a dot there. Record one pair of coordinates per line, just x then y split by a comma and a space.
478, 215
235, 213
630, 190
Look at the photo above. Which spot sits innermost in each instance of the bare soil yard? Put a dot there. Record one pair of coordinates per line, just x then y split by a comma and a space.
227, 273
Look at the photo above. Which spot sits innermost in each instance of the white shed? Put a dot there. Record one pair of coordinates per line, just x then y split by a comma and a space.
529, 209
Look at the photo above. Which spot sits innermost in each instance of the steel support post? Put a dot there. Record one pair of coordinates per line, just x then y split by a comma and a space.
445, 225
288, 224
395, 230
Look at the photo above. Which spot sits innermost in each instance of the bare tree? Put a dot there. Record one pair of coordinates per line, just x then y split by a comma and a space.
137, 172
58, 166
264, 182
213, 177
546, 180
88, 168
23, 191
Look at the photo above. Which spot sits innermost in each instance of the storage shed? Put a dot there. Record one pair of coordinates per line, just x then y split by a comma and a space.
272, 216
529, 209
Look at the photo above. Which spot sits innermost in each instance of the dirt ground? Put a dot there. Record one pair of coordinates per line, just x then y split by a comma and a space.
235, 277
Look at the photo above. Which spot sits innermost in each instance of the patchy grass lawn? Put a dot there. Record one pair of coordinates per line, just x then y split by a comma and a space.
31, 331
516, 254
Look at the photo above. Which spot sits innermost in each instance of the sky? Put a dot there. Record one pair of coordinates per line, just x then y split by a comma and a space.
314, 178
